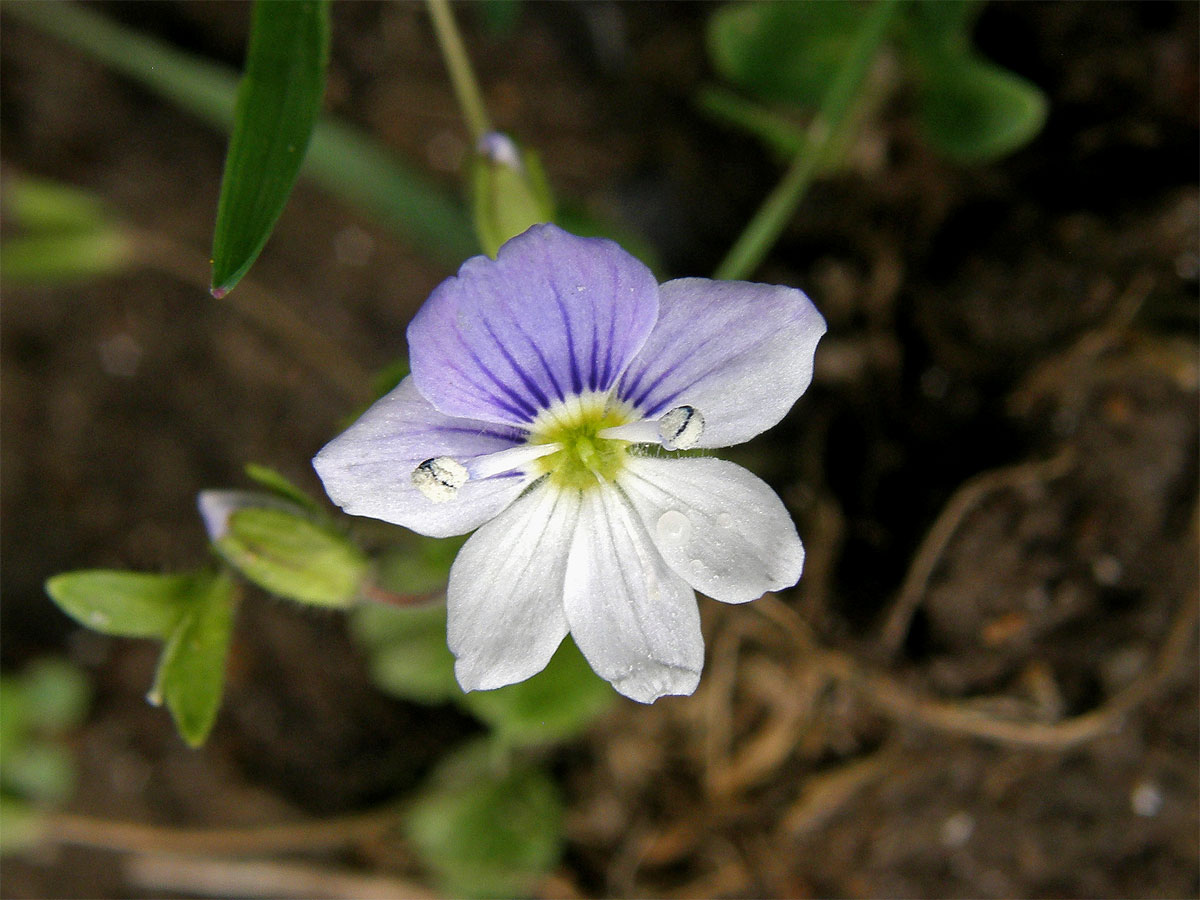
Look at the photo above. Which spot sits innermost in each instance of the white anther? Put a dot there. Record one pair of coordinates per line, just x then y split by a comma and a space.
677, 429
440, 478
680, 429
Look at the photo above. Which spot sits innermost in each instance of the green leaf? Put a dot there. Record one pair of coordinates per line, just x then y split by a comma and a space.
942, 26
21, 825
293, 557
973, 111
15, 715
558, 703
486, 833
345, 161
39, 771
406, 649
418, 566
191, 671
778, 132
499, 18
57, 693
277, 106
389, 377
53, 259
127, 604
277, 484
783, 51
37, 204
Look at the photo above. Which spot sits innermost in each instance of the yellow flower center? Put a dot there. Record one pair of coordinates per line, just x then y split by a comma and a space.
585, 459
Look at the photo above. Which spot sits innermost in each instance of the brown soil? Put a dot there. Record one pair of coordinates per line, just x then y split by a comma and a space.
986, 683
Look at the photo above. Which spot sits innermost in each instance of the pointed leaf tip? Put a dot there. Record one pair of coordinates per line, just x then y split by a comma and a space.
278, 102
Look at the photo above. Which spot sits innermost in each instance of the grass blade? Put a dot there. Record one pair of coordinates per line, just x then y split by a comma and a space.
346, 162
277, 106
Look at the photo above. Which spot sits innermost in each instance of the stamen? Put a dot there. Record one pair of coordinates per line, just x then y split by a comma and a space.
440, 478
508, 460
677, 429
680, 429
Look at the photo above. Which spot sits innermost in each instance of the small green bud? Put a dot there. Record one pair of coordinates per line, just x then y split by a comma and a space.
510, 191
275, 544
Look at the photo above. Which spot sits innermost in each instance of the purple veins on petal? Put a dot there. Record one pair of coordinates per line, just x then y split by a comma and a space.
530, 324
522, 375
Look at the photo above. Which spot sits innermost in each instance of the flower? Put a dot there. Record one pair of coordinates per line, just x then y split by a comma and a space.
541, 382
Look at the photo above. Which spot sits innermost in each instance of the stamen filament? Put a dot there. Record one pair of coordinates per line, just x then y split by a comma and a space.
677, 429
508, 460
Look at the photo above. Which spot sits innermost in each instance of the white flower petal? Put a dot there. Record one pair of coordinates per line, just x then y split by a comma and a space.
368, 469
634, 619
738, 352
505, 598
724, 531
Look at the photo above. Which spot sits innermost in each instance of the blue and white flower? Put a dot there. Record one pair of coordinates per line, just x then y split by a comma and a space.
545, 386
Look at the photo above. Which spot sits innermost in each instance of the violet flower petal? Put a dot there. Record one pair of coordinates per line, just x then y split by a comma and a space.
367, 470
554, 315
738, 352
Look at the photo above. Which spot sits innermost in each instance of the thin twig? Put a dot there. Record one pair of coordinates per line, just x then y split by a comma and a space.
929, 555
826, 793
908, 707
1064, 374
904, 706
135, 837
222, 877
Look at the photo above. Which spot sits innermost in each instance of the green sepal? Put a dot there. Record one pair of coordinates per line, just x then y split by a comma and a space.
509, 195
289, 555
419, 566
273, 481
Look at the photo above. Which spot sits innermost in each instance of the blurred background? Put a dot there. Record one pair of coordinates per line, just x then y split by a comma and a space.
984, 685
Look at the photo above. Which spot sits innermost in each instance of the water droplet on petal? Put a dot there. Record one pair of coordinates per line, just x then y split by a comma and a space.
673, 528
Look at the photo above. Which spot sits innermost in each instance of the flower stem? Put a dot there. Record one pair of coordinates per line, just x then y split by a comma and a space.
470, 100
827, 129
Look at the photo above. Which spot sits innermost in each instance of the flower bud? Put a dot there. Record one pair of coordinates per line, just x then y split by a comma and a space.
276, 545
510, 191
